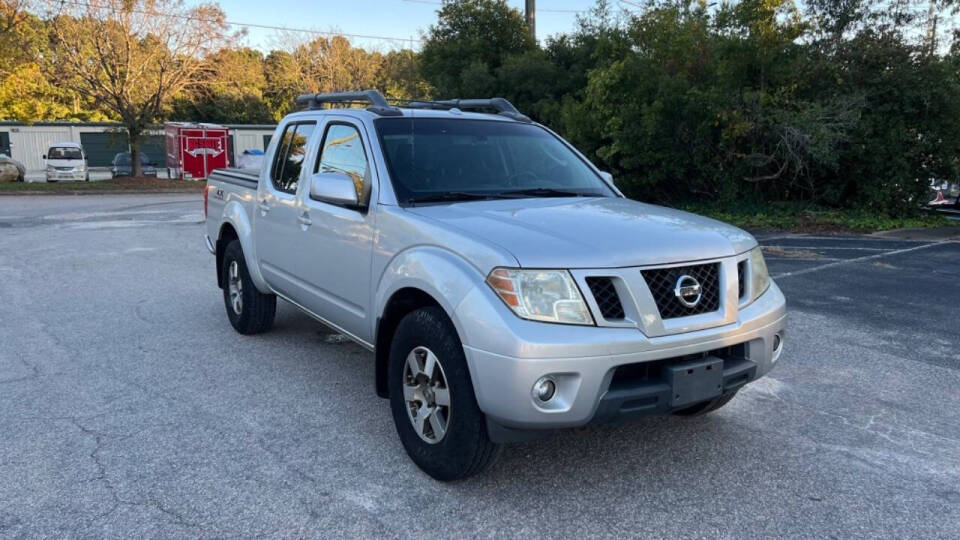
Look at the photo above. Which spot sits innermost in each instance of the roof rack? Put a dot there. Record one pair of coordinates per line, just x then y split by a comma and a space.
378, 104
502, 106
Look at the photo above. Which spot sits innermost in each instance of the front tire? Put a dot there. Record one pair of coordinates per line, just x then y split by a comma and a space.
249, 310
432, 400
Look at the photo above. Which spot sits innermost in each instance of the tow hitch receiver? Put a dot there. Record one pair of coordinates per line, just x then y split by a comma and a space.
696, 381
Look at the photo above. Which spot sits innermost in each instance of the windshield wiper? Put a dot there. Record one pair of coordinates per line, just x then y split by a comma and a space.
543, 192
454, 196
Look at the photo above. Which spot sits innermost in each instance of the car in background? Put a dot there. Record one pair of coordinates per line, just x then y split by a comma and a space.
122, 165
66, 161
11, 170
945, 194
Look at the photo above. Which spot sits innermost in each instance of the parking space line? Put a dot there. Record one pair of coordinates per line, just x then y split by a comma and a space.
827, 247
843, 238
859, 259
783, 258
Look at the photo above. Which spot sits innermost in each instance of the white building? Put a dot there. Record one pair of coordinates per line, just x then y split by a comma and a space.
101, 141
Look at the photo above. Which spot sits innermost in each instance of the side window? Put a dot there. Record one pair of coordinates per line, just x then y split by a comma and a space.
342, 151
289, 159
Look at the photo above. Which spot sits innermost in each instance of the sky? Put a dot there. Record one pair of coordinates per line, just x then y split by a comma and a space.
405, 20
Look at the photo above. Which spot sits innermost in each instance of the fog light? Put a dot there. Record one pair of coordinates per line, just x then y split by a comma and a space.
544, 389
777, 347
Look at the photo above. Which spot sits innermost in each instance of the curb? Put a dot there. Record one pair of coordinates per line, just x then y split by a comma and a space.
99, 192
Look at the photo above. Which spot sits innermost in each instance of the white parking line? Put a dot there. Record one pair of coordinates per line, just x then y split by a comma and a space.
842, 238
858, 259
827, 247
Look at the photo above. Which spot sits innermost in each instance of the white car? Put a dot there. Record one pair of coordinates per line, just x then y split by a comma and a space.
66, 161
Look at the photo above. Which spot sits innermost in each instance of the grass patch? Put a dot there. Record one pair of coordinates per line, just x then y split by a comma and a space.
112, 186
805, 218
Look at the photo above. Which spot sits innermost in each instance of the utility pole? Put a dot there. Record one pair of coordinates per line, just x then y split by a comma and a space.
531, 14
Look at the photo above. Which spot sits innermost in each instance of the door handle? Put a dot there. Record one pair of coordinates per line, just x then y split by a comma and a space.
263, 206
304, 219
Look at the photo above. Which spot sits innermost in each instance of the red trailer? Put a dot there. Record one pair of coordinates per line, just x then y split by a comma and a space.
195, 150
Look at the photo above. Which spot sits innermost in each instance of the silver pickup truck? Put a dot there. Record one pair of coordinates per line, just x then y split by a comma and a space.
504, 284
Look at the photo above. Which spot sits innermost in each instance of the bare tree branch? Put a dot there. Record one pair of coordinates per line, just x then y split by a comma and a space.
133, 56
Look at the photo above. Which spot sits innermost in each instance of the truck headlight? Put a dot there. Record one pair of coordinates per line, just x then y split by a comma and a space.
759, 276
541, 295
51, 168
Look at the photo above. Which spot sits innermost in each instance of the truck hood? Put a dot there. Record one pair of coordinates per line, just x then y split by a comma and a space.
590, 232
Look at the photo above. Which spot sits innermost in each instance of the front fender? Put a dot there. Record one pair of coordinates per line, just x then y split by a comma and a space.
235, 214
436, 271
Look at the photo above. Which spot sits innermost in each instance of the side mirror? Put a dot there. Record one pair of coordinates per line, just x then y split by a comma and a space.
334, 188
606, 176
44, 156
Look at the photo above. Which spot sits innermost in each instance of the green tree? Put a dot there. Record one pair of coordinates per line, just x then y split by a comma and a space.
231, 91
400, 76
469, 43
321, 65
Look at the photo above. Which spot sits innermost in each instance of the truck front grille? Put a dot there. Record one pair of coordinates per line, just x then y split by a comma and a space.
663, 281
607, 298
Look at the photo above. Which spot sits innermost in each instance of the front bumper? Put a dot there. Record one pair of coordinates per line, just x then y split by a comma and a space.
66, 175
604, 374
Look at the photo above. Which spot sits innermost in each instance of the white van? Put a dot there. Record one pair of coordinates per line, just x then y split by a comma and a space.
66, 161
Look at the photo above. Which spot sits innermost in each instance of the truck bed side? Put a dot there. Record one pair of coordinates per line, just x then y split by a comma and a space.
231, 198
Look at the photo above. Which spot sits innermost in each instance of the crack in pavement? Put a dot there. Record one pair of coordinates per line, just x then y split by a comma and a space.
100, 442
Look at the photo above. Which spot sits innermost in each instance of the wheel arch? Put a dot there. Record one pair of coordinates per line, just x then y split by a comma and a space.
418, 277
401, 303
226, 235
235, 225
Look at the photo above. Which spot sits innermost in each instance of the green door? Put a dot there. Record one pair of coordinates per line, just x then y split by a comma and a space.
155, 147
5, 143
101, 147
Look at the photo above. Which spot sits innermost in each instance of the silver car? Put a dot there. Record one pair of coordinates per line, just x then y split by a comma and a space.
11, 170
503, 283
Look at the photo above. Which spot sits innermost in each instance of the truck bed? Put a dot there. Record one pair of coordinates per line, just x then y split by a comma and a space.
247, 178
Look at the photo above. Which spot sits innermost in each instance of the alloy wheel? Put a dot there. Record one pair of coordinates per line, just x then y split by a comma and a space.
235, 287
426, 395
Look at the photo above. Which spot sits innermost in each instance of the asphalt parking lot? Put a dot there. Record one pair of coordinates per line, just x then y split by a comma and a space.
129, 407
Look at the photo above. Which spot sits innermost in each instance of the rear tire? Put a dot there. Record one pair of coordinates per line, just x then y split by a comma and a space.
706, 407
249, 310
428, 369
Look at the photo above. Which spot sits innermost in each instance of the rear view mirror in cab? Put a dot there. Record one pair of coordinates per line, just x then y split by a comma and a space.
606, 176
334, 188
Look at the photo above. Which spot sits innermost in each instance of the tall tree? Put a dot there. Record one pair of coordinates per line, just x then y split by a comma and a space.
232, 91
132, 56
320, 65
471, 40
400, 76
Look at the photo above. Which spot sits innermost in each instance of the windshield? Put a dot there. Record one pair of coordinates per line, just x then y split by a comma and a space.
430, 158
63, 152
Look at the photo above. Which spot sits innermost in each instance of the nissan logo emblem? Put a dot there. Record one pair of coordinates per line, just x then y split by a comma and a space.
688, 291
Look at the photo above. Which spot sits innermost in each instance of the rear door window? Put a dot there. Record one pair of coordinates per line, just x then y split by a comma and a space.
288, 162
